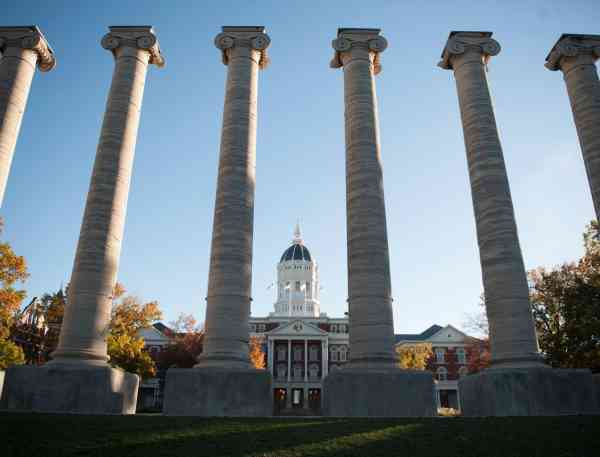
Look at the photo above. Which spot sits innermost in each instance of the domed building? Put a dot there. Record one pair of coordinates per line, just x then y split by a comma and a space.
302, 343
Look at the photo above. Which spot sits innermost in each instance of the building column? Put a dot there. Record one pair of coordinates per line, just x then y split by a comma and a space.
325, 358
22, 49
512, 332
305, 360
87, 315
575, 55
78, 379
230, 276
518, 382
369, 287
270, 355
289, 361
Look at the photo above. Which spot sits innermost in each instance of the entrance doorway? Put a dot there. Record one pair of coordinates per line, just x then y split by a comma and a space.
279, 400
314, 400
297, 398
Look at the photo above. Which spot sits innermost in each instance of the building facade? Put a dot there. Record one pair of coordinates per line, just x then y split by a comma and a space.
302, 344
449, 360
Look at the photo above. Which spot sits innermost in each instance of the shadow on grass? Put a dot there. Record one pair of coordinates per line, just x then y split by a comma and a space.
60, 435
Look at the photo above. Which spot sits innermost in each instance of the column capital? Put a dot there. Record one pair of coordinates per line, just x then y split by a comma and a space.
573, 47
249, 37
367, 42
28, 37
459, 42
134, 36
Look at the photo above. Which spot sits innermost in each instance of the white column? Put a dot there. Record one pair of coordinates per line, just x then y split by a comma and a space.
369, 286
576, 55
89, 302
289, 374
305, 360
270, 358
22, 49
230, 273
325, 356
512, 332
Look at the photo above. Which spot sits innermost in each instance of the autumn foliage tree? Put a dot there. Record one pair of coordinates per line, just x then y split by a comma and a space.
125, 346
13, 269
566, 308
413, 356
186, 344
257, 354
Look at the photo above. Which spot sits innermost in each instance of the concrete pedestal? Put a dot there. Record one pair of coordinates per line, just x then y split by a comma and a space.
220, 392
596, 380
67, 388
387, 392
528, 392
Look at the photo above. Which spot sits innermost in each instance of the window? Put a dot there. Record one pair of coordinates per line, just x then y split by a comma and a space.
297, 372
297, 286
253, 327
343, 354
462, 372
333, 328
461, 356
440, 355
313, 370
442, 374
281, 371
297, 354
281, 353
343, 328
261, 328
313, 353
333, 354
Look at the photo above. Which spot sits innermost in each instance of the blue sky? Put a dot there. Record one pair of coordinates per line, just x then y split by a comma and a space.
300, 146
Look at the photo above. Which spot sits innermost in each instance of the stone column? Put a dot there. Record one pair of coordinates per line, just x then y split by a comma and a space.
78, 379
518, 383
369, 385
512, 332
22, 49
230, 276
224, 362
575, 55
305, 360
289, 361
369, 286
84, 327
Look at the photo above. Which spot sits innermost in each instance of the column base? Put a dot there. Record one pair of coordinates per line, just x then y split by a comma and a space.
70, 388
596, 381
218, 392
384, 392
527, 392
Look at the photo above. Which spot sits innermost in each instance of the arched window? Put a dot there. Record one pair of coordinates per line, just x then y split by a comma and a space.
442, 374
313, 371
281, 371
343, 353
333, 353
297, 353
281, 353
297, 372
462, 372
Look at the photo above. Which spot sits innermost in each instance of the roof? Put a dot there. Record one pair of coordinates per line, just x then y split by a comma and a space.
296, 251
418, 336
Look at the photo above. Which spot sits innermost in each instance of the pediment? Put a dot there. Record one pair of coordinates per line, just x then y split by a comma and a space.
297, 327
448, 334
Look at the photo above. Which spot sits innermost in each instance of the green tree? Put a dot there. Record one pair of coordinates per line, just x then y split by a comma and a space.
13, 269
566, 308
413, 356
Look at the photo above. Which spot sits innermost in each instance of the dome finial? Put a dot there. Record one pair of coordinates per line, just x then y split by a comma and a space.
297, 234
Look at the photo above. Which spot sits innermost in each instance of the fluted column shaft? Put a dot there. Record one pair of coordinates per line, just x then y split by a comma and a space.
369, 286
230, 276
89, 301
22, 49
512, 332
575, 56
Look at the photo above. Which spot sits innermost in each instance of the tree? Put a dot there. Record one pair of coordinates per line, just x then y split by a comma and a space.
186, 345
125, 347
478, 355
566, 308
414, 356
257, 354
13, 269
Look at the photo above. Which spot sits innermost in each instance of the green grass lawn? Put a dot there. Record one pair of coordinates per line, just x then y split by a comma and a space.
44, 435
